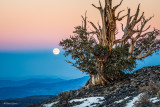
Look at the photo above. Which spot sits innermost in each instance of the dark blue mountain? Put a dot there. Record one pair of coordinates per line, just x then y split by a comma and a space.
9, 83
24, 102
41, 88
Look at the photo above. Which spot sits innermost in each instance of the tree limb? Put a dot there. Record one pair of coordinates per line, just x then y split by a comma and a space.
119, 19
142, 55
122, 27
79, 68
114, 8
84, 20
99, 8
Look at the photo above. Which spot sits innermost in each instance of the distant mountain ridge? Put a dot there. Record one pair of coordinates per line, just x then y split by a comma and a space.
11, 83
24, 102
139, 89
30, 87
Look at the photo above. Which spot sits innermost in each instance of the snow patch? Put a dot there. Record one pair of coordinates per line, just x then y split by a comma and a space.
50, 104
154, 100
122, 100
131, 102
88, 101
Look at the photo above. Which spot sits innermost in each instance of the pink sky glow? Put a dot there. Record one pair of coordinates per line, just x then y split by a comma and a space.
41, 24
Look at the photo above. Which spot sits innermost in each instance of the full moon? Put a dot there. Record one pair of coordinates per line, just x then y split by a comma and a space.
56, 51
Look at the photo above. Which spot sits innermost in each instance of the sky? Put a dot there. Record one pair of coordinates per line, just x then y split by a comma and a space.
41, 24
39, 64
37, 26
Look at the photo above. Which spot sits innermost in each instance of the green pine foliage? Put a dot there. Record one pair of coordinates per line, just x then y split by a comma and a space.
118, 61
105, 58
84, 49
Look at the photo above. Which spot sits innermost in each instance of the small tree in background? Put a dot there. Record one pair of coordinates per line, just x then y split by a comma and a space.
104, 57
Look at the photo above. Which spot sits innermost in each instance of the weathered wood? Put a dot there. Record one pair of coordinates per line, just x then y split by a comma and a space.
134, 30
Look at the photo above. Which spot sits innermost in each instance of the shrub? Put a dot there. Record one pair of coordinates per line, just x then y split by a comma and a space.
64, 97
144, 102
158, 94
151, 89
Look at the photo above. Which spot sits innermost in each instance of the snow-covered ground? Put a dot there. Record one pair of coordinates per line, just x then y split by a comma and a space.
137, 98
131, 102
93, 101
90, 101
50, 104
122, 100
154, 100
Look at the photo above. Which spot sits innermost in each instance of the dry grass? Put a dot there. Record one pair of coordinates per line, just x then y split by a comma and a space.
64, 97
143, 102
158, 94
151, 89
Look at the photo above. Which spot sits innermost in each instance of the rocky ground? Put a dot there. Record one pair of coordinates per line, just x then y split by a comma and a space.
139, 89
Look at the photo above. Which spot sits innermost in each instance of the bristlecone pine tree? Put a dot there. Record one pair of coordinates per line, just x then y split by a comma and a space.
98, 52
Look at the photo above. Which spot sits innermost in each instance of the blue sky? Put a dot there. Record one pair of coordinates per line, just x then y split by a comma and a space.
27, 25
44, 64
21, 65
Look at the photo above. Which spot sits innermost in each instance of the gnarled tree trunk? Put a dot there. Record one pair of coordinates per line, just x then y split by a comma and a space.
103, 79
97, 79
133, 37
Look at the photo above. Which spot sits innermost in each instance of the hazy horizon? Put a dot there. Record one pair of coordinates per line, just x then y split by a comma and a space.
30, 29
36, 64
44, 64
